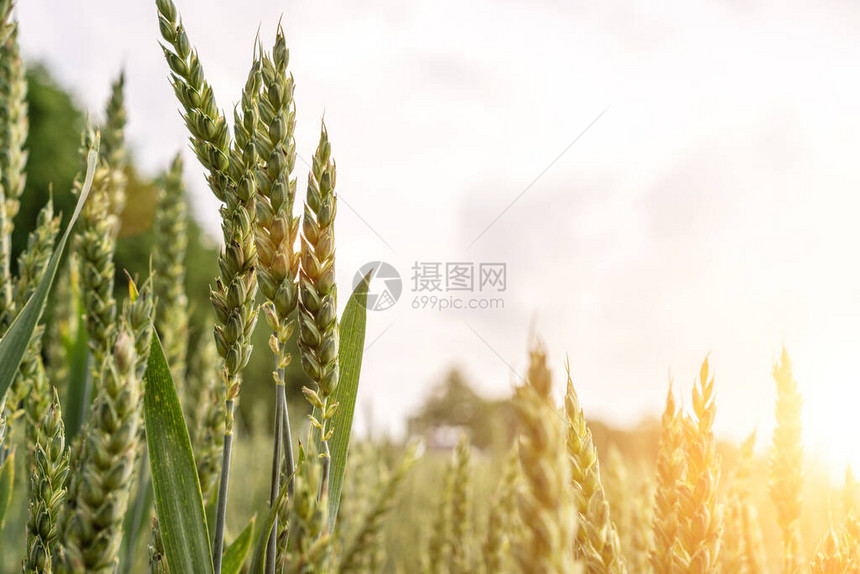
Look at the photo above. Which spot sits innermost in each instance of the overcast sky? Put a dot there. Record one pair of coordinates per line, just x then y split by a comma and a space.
712, 208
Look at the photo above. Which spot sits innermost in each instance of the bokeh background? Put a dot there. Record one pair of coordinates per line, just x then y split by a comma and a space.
711, 208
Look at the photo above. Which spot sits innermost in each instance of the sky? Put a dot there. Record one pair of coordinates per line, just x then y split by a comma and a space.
662, 181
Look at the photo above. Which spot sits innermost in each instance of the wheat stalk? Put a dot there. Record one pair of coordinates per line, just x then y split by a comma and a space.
232, 179
277, 230
597, 543
543, 500
309, 540
786, 463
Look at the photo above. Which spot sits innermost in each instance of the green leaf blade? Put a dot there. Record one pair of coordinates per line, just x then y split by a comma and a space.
353, 325
7, 480
178, 501
237, 552
13, 346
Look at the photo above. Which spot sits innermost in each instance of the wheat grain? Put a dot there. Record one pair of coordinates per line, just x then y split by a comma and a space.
597, 543
277, 230
318, 334
701, 525
543, 500
47, 490
671, 471
6, 23
232, 179
831, 557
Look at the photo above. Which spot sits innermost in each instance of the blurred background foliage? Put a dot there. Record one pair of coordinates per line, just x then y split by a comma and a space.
56, 123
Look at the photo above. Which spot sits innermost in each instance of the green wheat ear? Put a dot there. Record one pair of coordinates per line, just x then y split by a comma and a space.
171, 237
277, 230
318, 335
47, 490
30, 391
14, 127
459, 560
439, 541
103, 469
94, 246
113, 148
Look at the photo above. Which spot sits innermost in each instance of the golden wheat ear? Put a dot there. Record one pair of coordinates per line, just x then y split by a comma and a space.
786, 464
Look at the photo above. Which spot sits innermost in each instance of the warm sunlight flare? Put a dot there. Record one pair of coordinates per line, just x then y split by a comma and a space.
831, 418
389, 287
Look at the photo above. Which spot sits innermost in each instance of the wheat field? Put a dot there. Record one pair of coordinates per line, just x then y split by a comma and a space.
121, 444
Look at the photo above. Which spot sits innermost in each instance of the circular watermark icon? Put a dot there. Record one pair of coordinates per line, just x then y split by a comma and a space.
383, 293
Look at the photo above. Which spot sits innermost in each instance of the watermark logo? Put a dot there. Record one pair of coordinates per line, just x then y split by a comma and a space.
385, 288
437, 285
